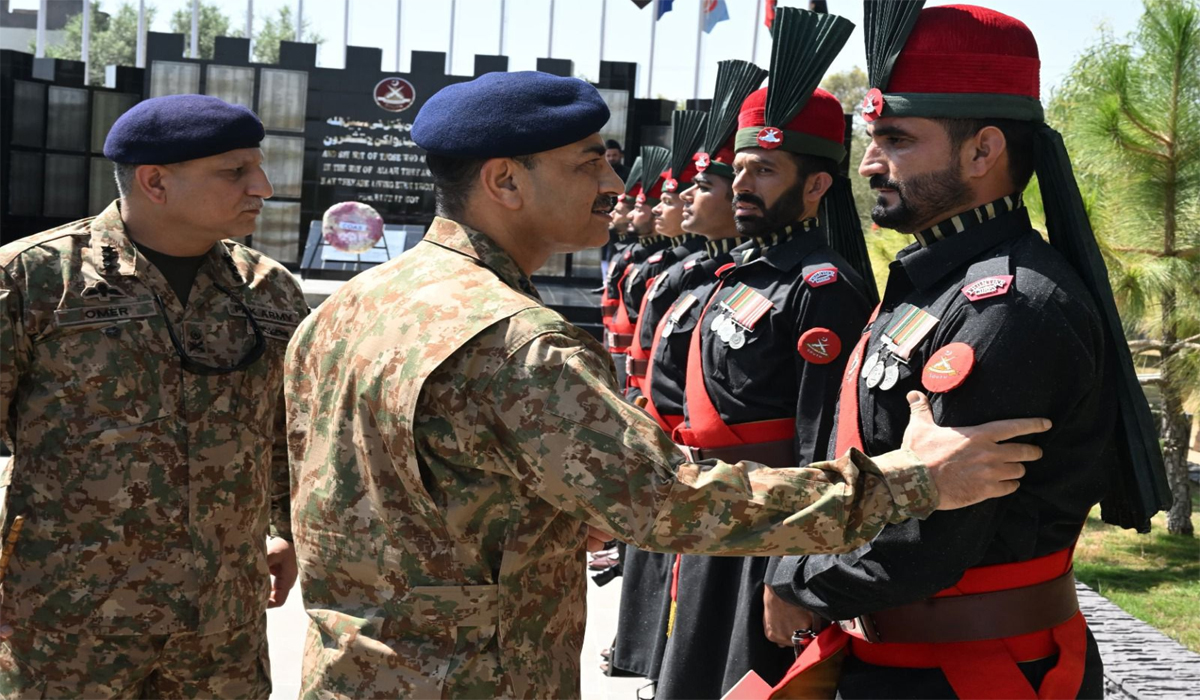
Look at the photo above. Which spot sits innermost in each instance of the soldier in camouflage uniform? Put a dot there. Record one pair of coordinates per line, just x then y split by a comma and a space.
141, 393
451, 436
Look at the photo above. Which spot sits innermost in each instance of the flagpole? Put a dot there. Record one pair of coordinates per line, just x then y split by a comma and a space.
450, 50
699, 45
346, 25
550, 33
399, 15
757, 21
299, 20
502, 16
40, 51
140, 61
249, 20
85, 47
195, 28
653, 31
603, 22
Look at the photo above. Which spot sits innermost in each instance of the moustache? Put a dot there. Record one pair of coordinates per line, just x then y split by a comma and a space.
879, 182
749, 199
604, 203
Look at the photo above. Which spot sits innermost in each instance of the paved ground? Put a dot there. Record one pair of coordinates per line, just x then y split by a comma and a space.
286, 628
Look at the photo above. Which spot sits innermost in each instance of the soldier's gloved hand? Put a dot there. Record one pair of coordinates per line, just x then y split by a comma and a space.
970, 464
281, 560
781, 618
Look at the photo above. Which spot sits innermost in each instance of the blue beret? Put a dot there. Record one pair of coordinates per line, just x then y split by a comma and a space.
176, 128
500, 115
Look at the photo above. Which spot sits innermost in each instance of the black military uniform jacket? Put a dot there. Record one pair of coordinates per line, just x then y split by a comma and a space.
718, 634
768, 375
696, 278
1038, 350
661, 256
635, 252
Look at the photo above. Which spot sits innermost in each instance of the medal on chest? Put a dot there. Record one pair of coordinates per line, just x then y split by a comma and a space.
908, 326
739, 313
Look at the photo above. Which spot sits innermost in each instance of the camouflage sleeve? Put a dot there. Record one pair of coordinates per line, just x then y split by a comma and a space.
554, 418
14, 345
281, 488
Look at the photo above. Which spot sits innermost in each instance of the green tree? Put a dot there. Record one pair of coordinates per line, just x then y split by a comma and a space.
281, 27
1130, 114
848, 86
213, 23
113, 39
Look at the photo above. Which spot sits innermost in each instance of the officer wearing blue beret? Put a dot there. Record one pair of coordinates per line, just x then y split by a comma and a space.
141, 381
451, 436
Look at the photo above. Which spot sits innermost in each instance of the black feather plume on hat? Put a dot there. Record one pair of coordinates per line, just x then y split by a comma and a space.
805, 45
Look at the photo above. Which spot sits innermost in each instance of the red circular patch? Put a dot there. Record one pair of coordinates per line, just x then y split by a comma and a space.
819, 346
702, 161
872, 105
641, 199
394, 94
670, 185
948, 367
770, 137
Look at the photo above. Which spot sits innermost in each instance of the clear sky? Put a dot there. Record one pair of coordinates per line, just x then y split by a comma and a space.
1063, 29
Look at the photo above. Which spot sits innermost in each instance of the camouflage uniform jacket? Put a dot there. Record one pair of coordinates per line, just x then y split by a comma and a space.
449, 437
147, 490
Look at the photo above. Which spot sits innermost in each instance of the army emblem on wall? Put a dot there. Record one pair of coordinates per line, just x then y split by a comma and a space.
394, 94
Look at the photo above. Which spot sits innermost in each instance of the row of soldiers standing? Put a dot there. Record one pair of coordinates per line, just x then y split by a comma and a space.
738, 310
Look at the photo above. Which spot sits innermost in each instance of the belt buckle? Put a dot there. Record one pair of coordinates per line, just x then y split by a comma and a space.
610, 339
629, 365
863, 627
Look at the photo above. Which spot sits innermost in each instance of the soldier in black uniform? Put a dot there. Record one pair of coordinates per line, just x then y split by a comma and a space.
686, 132
766, 355
645, 591
991, 320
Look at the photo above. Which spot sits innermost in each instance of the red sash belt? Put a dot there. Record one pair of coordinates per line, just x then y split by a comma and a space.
636, 352
620, 324
977, 669
667, 422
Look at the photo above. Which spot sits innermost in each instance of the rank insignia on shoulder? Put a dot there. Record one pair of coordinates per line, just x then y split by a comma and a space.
948, 367
822, 277
988, 287
819, 346
656, 258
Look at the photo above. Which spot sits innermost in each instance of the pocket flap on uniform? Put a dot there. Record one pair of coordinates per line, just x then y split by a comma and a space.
464, 606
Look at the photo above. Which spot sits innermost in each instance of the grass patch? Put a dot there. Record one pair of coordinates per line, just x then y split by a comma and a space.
1154, 577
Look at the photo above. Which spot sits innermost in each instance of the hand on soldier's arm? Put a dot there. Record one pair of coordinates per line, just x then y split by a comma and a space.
781, 618
971, 464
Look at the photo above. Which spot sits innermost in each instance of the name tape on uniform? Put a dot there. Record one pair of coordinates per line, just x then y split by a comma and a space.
84, 315
268, 314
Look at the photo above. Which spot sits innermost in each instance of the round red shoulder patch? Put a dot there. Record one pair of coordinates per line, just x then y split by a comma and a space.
770, 137
819, 346
948, 367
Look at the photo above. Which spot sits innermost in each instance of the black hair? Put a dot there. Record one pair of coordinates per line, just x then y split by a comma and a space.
454, 178
1018, 135
613, 143
811, 165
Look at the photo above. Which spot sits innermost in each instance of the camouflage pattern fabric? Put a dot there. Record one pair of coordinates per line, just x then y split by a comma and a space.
229, 664
450, 436
147, 491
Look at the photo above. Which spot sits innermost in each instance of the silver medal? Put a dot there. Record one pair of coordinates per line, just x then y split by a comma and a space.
875, 375
891, 375
870, 364
738, 339
717, 324
726, 332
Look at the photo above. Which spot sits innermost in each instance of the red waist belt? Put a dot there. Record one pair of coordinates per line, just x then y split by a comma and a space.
977, 665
